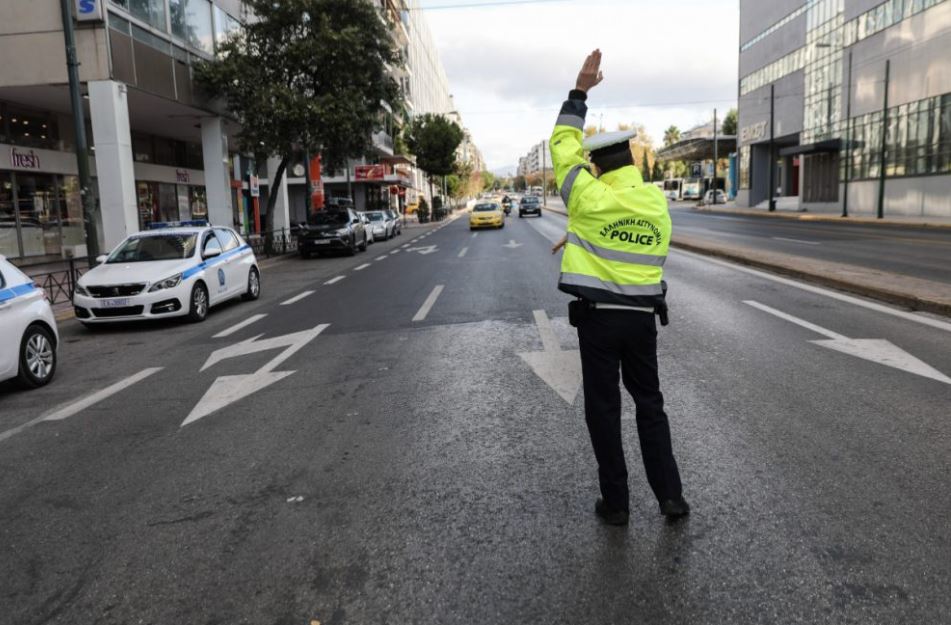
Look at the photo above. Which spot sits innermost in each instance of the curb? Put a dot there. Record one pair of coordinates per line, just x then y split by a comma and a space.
832, 219
901, 298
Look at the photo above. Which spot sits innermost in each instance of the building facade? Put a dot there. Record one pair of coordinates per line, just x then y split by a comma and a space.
537, 159
846, 105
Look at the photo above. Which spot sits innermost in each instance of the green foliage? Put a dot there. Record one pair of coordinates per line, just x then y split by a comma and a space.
657, 173
434, 140
646, 167
488, 181
422, 213
730, 123
455, 185
671, 136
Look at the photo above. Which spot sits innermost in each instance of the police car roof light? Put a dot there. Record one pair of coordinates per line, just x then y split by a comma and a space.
191, 223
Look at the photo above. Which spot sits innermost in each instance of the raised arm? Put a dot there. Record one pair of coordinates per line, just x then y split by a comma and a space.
567, 152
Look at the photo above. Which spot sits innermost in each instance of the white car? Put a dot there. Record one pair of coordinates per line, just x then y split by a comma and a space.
720, 199
28, 334
168, 272
379, 225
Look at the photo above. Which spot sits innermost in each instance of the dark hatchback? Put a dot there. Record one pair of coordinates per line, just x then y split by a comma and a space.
530, 205
332, 230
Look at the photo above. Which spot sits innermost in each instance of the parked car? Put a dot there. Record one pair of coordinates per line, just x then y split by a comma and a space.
172, 270
380, 225
28, 333
708, 197
395, 221
333, 230
530, 205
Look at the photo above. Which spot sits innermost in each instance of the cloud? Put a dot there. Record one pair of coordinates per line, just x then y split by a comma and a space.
510, 67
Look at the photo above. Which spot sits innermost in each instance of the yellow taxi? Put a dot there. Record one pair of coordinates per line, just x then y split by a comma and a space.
486, 215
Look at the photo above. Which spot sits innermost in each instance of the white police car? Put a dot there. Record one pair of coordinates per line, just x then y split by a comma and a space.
28, 335
172, 270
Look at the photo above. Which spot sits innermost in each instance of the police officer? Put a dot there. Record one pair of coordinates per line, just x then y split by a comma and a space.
618, 233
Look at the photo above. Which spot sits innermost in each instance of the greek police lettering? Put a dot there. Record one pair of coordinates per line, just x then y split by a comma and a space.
632, 237
612, 230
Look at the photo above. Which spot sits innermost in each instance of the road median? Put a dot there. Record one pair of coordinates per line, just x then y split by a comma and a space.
913, 293
895, 222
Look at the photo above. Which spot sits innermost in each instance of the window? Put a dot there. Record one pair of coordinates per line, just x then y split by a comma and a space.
211, 245
191, 22
227, 238
152, 12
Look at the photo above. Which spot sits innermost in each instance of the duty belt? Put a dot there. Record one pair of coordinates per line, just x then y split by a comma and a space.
603, 306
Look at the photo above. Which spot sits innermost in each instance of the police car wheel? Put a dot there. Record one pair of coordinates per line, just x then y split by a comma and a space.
365, 245
198, 311
37, 357
254, 285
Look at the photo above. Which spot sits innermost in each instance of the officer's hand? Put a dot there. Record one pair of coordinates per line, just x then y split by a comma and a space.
590, 74
560, 244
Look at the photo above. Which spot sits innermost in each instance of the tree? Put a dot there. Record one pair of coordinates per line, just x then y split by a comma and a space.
645, 167
488, 181
434, 140
657, 173
729, 123
671, 136
305, 75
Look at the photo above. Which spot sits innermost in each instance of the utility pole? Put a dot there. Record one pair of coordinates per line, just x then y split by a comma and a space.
349, 185
848, 139
881, 167
309, 201
715, 155
772, 138
545, 177
79, 127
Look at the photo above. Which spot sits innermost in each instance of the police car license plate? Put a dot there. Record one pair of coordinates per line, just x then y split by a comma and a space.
114, 303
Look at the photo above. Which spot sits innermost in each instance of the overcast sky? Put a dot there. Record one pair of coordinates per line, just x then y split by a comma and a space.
510, 66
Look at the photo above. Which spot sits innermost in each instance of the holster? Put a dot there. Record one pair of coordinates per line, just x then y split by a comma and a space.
577, 312
661, 309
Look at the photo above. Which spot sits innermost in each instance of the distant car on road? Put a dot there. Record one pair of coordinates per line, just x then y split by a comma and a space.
173, 270
708, 197
380, 225
333, 230
530, 205
28, 334
486, 215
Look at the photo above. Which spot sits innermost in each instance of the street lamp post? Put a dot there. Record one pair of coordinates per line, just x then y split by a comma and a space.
79, 127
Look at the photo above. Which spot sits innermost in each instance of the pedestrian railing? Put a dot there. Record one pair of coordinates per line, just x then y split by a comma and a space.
283, 241
60, 284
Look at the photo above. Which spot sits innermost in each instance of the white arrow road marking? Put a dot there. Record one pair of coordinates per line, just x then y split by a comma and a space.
67, 411
230, 388
297, 298
429, 249
428, 304
559, 369
876, 350
239, 326
512, 244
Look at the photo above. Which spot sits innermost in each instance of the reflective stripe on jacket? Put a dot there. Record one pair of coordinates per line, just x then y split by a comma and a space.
618, 227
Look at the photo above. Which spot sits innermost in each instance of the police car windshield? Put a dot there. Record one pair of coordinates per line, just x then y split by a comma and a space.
155, 247
485, 208
329, 218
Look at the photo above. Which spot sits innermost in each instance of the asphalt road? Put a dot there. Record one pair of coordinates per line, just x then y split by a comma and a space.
917, 252
385, 470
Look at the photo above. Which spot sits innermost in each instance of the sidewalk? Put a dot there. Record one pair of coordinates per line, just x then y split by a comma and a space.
913, 293
900, 221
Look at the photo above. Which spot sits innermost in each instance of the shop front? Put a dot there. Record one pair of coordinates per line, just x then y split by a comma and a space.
166, 194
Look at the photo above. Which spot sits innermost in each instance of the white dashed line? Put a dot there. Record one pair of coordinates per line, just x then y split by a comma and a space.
797, 241
428, 304
90, 400
405, 245
335, 280
463, 251
475, 234
362, 267
394, 252
297, 298
238, 326
381, 257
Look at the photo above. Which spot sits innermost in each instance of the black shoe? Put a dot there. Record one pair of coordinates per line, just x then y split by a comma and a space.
611, 516
674, 508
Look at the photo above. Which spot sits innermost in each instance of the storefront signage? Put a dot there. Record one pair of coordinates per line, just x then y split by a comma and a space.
24, 160
753, 132
370, 172
316, 184
89, 10
254, 186
182, 176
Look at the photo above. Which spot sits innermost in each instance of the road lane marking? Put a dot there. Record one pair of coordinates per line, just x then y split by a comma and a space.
475, 234
239, 326
297, 298
908, 316
228, 389
64, 412
405, 245
428, 304
797, 241
394, 252
878, 351
512, 244
362, 267
381, 257
463, 251
335, 280
559, 369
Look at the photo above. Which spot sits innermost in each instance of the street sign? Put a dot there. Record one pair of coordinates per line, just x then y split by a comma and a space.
696, 170
254, 186
89, 10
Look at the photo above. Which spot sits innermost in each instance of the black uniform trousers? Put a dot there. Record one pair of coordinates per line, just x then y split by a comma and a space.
626, 340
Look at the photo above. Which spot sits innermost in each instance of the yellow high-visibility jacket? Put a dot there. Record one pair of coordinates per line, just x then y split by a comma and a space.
618, 228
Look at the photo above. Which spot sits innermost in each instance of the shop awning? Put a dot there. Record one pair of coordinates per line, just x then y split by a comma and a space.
820, 147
